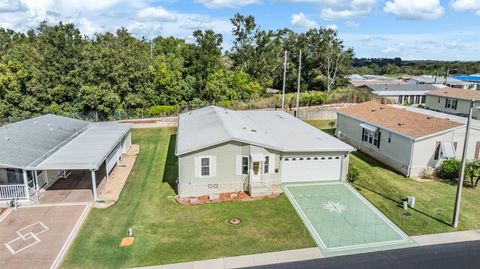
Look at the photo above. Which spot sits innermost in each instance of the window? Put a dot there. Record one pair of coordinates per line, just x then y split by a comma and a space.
244, 165
205, 166
417, 99
454, 104
438, 99
371, 137
266, 165
448, 103
389, 137
423, 99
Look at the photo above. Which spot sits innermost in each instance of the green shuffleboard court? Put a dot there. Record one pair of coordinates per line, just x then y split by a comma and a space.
342, 221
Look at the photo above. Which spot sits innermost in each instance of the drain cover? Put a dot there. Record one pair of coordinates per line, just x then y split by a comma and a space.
235, 221
406, 214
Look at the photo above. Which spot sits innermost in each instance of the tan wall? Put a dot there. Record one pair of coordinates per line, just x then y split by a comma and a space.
463, 106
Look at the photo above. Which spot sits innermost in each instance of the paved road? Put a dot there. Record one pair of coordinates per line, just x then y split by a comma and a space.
449, 256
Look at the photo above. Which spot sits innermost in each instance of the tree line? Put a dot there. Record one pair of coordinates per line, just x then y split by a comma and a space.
56, 69
397, 66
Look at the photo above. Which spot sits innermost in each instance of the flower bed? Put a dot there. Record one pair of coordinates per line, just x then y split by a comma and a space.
222, 197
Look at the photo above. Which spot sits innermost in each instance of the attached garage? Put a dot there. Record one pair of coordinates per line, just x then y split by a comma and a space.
312, 168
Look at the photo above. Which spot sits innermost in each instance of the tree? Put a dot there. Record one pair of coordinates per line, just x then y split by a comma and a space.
472, 170
334, 58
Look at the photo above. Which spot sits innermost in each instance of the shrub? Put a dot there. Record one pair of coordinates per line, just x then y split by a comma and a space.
352, 175
427, 173
161, 110
449, 169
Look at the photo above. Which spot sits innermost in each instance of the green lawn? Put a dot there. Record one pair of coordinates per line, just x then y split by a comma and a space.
166, 232
434, 206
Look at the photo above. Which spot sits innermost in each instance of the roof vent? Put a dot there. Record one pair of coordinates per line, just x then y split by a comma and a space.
6, 138
373, 110
428, 118
400, 124
253, 130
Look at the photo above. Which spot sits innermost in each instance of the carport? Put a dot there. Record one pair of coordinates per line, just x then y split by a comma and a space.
100, 145
341, 221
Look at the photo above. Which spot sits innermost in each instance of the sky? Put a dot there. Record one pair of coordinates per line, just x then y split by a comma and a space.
410, 29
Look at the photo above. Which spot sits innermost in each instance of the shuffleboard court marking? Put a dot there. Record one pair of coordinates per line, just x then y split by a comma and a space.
26, 236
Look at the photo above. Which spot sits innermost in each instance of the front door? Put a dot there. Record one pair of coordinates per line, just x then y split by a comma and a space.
256, 172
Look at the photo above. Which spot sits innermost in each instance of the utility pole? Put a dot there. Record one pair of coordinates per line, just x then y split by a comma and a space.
298, 83
458, 197
284, 78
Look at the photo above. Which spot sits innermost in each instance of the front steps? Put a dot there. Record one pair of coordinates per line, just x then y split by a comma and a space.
258, 189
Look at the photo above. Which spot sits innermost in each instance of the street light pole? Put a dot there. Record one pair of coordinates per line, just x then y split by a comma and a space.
458, 197
298, 83
284, 78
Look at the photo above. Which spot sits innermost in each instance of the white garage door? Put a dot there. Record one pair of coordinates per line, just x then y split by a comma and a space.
311, 169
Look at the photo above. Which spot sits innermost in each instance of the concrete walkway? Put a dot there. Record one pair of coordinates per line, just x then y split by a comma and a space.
247, 260
443, 238
305, 254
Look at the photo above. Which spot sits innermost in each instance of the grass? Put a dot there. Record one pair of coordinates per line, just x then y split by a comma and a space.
434, 199
166, 232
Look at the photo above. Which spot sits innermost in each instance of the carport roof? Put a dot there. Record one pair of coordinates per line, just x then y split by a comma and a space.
87, 150
210, 126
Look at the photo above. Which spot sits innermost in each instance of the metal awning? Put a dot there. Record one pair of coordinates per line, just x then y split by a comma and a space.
448, 150
86, 151
369, 127
257, 157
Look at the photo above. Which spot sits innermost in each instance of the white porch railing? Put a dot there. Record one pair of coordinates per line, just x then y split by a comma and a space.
12, 191
41, 179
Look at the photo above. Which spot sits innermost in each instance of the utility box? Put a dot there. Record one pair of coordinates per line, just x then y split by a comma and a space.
411, 201
405, 205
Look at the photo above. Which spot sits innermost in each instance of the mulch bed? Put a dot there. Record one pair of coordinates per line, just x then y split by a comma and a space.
223, 197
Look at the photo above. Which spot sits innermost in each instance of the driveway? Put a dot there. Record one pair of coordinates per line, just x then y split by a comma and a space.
341, 221
38, 237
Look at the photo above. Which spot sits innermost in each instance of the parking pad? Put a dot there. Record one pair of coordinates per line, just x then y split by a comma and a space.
341, 221
38, 237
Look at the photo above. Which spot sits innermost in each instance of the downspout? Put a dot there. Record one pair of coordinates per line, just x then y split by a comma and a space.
411, 158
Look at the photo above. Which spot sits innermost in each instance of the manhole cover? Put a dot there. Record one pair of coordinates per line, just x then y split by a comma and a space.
235, 221
406, 214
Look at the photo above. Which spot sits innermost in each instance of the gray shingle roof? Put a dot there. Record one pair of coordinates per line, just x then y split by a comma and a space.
403, 87
24, 142
277, 130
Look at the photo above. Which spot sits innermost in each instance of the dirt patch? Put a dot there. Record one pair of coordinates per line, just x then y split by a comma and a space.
223, 197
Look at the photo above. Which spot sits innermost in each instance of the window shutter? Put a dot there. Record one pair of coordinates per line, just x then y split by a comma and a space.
238, 165
196, 165
272, 164
437, 151
363, 134
379, 138
477, 150
213, 166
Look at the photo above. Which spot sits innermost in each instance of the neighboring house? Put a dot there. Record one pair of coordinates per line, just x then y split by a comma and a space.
272, 91
453, 101
400, 94
222, 151
470, 78
361, 82
449, 82
407, 141
38, 151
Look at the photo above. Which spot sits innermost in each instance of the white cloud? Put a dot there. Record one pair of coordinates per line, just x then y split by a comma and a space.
415, 10
226, 3
331, 26
12, 6
396, 48
301, 21
342, 9
467, 5
158, 14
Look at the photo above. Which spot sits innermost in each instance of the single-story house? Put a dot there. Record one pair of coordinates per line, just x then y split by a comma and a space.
400, 93
454, 101
221, 151
407, 141
38, 151
449, 82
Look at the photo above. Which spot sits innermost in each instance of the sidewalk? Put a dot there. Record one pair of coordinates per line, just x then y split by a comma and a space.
444, 238
247, 260
306, 253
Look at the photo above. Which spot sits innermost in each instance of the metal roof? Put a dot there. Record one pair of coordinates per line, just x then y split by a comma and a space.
402, 87
277, 130
24, 142
87, 150
398, 93
439, 80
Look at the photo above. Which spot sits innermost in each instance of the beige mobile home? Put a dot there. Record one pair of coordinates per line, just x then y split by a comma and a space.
453, 101
223, 151
407, 141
